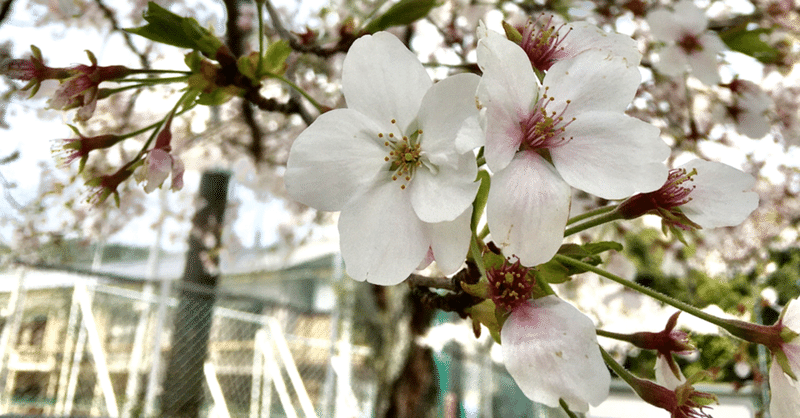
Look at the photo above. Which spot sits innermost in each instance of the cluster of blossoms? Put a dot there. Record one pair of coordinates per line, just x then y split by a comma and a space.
80, 89
546, 115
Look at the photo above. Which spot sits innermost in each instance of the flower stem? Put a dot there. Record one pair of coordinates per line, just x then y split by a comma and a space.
623, 374
260, 12
614, 335
720, 322
591, 213
150, 81
316, 104
566, 409
609, 216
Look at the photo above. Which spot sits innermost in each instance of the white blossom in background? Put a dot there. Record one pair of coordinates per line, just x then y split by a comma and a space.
688, 44
550, 349
750, 108
390, 164
571, 131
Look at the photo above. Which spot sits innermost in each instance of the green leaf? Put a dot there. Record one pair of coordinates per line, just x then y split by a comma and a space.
750, 42
552, 272
602, 246
275, 57
404, 12
168, 28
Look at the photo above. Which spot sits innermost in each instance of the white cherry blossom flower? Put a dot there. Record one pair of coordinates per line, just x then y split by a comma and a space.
698, 194
689, 44
550, 349
785, 399
389, 163
572, 131
750, 107
545, 44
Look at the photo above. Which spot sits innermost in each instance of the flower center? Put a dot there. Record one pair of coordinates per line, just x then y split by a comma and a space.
542, 43
544, 129
509, 285
675, 192
405, 154
690, 44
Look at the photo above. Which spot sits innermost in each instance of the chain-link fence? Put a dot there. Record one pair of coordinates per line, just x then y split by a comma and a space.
75, 345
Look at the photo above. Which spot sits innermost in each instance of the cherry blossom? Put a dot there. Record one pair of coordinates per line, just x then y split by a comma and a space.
390, 163
571, 131
544, 43
550, 349
698, 194
750, 108
689, 44
71, 149
81, 89
785, 369
159, 163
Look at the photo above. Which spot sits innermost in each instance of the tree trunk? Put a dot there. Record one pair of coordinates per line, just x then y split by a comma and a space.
183, 386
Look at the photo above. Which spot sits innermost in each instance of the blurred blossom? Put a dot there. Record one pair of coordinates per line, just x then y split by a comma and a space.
749, 109
689, 44
160, 163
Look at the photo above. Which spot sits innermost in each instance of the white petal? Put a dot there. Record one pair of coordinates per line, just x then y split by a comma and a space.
690, 17
381, 239
450, 242
664, 25
551, 351
664, 375
334, 159
445, 108
791, 316
612, 155
784, 393
721, 196
527, 209
704, 63
442, 196
594, 80
753, 124
584, 36
508, 90
383, 79
672, 61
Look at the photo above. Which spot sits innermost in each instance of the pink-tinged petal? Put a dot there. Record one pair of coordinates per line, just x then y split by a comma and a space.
664, 375
594, 80
445, 108
721, 196
381, 239
612, 155
450, 242
584, 36
704, 63
443, 193
689, 17
159, 165
753, 124
551, 351
177, 174
508, 90
664, 25
785, 394
335, 158
527, 209
671, 61
381, 78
